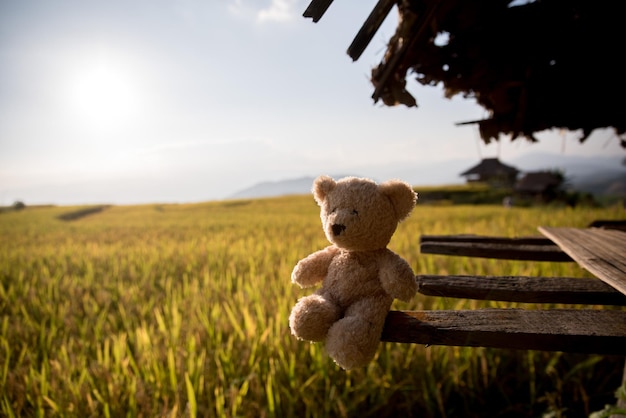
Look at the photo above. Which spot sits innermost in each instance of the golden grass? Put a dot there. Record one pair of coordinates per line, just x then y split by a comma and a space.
181, 310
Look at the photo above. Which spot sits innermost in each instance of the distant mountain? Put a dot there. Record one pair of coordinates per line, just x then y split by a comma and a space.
596, 175
301, 185
603, 184
573, 165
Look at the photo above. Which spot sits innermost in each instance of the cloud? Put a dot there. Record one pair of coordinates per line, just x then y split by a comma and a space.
236, 7
278, 11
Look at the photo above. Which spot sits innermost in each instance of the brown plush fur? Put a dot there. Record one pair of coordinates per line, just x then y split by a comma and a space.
360, 276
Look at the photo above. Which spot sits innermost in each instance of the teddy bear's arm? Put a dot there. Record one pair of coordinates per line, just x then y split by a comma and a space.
313, 268
397, 277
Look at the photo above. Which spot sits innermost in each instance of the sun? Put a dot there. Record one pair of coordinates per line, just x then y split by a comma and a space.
103, 93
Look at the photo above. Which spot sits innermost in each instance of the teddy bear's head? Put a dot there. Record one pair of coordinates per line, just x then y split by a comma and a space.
358, 214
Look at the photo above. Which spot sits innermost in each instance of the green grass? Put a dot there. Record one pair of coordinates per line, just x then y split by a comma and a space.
181, 310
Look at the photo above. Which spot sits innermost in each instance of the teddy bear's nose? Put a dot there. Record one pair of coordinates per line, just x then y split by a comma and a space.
338, 229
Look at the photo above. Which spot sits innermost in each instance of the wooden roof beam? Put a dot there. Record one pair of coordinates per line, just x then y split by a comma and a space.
416, 26
316, 9
369, 28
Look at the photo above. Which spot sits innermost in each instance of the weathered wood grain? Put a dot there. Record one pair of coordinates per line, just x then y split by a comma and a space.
567, 330
601, 251
523, 289
525, 248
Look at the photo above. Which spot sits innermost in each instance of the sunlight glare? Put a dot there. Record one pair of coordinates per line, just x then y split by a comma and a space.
103, 93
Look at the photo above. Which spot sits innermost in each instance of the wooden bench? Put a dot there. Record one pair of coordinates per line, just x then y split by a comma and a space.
591, 330
600, 331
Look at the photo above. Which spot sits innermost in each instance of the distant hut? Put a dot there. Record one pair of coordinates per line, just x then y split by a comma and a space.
493, 172
541, 185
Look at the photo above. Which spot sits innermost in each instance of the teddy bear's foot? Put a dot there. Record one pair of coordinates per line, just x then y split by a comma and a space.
311, 318
352, 342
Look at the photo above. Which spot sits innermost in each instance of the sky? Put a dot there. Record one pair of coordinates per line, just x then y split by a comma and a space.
137, 101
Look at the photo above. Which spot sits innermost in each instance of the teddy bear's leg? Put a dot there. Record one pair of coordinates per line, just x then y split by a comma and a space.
312, 316
353, 340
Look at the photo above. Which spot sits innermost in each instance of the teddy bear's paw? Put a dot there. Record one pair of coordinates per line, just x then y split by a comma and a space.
352, 342
312, 269
349, 361
398, 279
311, 318
407, 291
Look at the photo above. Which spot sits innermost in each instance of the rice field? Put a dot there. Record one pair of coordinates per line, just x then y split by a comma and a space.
181, 311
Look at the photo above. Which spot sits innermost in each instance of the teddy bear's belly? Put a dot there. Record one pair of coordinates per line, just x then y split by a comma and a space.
348, 281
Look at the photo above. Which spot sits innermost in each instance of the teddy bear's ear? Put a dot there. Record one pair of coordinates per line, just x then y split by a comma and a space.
402, 197
321, 187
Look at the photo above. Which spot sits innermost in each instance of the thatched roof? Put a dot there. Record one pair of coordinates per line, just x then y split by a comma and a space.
491, 167
533, 65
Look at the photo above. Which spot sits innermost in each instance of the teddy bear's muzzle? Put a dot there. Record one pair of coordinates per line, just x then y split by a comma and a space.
338, 229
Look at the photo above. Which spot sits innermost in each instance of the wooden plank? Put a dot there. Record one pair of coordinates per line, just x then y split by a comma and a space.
523, 289
525, 248
601, 251
609, 224
369, 28
316, 9
467, 238
568, 330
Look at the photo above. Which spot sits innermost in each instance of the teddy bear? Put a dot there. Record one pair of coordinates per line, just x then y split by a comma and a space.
360, 277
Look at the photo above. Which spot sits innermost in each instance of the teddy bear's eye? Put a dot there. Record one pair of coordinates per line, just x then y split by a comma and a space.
333, 210
355, 212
